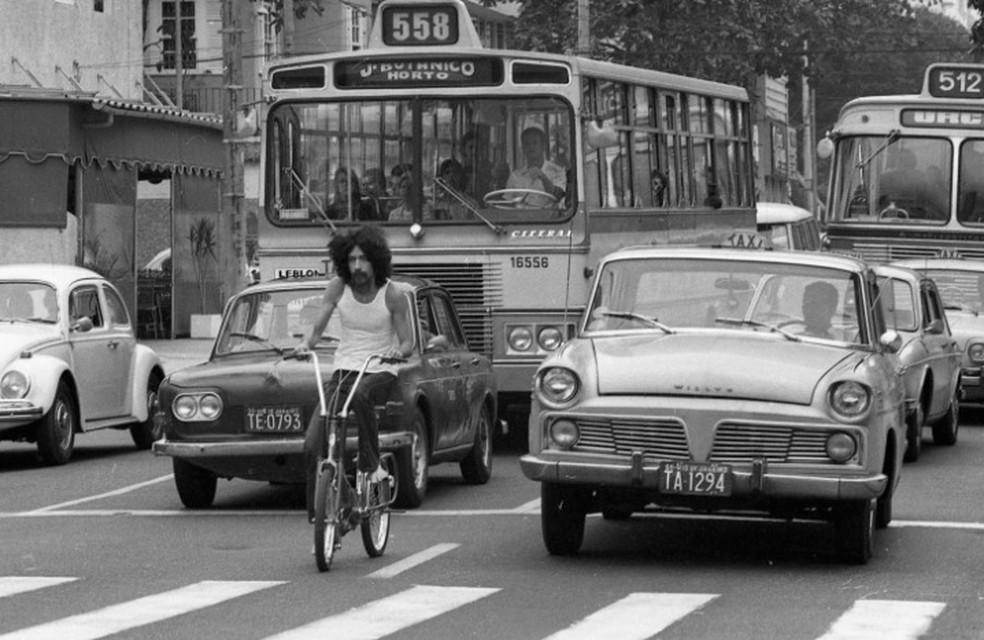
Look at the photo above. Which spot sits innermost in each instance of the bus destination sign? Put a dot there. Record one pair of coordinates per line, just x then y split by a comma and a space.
943, 118
957, 81
432, 72
420, 25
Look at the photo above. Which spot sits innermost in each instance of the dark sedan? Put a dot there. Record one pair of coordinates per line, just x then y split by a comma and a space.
243, 413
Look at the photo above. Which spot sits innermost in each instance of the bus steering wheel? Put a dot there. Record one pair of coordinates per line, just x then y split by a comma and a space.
513, 198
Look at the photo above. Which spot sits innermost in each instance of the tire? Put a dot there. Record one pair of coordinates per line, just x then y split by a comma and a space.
913, 435
476, 468
854, 529
196, 486
945, 430
326, 517
376, 523
562, 518
616, 514
56, 429
413, 468
149, 431
883, 506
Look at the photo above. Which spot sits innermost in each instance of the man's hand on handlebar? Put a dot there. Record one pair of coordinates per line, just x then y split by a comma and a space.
299, 352
392, 356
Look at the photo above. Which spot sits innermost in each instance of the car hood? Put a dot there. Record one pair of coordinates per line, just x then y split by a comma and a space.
17, 337
731, 365
965, 325
253, 378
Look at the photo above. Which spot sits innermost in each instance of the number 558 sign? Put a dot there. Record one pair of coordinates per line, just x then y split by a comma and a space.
426, 24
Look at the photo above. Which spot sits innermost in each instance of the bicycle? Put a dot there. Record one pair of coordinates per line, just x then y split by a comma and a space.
369, 510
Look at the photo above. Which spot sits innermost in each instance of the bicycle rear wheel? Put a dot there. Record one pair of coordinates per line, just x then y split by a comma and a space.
376, 518
326, 521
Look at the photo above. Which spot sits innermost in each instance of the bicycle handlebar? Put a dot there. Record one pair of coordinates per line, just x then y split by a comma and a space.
322, 405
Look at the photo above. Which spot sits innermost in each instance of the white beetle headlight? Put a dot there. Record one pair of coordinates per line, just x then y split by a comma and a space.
14, 385
976, 352
557, 385
850, 399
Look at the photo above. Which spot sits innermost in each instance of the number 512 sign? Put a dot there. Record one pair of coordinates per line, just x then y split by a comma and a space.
958, 81
425, 24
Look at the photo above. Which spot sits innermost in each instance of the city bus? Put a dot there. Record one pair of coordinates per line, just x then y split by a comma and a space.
503, 175
907, 171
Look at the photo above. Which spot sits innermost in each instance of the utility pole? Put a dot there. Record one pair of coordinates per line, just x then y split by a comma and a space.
288, 21
178, 58
232, 234
583, 28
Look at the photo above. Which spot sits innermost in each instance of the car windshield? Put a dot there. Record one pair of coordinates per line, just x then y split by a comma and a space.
959, 289
669, 294
28, 302
273, 321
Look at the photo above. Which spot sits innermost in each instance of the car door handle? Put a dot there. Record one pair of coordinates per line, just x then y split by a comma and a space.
476, 361
112, 344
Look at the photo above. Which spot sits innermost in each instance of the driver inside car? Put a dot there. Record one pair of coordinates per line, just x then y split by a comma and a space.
539, 174
819, 305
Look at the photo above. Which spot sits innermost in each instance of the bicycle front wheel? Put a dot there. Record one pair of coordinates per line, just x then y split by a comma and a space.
326, 521
376, 518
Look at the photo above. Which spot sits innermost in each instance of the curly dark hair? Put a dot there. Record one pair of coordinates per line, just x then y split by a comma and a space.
373, 243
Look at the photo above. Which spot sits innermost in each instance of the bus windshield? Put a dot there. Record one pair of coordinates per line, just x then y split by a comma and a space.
894, 180
420, 160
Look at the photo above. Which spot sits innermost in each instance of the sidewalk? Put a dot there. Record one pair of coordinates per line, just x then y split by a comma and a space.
181, 353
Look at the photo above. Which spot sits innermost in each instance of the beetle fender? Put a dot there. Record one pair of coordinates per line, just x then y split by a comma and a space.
44, 372
145, 361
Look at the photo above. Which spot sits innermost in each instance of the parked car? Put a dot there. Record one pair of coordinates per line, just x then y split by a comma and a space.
788, 226
243, 413
69, 361
930, 356
961, 285
724, 381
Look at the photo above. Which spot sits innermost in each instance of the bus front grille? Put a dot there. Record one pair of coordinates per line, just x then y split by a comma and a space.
476, 289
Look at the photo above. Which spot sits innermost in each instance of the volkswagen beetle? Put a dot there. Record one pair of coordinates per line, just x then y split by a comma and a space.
734, 382
69, 360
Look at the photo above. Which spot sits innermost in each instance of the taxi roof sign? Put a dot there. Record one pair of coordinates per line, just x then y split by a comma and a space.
748, 240
411, 23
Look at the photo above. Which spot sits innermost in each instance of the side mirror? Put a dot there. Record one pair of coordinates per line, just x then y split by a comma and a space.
935, 327
891, 341
600, 137
437, 344
82, 325
825, 148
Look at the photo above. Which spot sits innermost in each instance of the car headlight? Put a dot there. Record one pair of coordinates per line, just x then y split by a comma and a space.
976, 352
841, 447
197, 407
850, 399
558, 385
564, 433
520, 338
14, 385
550, 338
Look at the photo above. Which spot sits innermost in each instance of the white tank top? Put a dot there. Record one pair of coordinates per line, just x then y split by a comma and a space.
367, 328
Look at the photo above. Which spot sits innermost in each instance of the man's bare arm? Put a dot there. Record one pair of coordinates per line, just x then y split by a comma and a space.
333, 293
397, 301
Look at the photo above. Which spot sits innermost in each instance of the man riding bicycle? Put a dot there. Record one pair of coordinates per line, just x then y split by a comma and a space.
375, 319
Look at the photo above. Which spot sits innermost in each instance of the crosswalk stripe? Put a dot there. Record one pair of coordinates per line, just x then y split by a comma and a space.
638, 615
136, 613
12, 585
885, 620
412, 561
383, 617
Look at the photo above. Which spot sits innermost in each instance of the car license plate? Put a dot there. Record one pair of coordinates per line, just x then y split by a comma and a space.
696, 479
274, 419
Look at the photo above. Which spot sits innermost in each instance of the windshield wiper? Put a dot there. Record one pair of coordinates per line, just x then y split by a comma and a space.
255, 338
892, 136
296, 179
960, 307
629, 315
755, 323
441, 182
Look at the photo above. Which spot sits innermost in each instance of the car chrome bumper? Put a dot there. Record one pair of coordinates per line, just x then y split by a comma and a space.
292, 446
970, 385
18, 412
745, 482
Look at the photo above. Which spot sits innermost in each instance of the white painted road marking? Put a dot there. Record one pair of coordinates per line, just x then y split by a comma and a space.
108, 494
136, 613
12, 585
387, 616
412, 561
885, 620
636, 616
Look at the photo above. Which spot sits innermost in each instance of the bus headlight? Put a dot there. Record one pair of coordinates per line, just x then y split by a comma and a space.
520, 338
557, 386
14, 385
550, 338
849, 399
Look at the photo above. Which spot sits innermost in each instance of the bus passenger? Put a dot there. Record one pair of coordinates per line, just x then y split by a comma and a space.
374, 193
476, 168
539, 173
348, 198
403, 212
446, 206
906, 186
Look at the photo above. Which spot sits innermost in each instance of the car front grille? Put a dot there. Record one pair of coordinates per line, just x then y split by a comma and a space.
773, 443
664, 439
883, 253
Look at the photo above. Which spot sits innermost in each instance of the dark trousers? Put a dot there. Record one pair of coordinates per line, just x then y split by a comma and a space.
375, 389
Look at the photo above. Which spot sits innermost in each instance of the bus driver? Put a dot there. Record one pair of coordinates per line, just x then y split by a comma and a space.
539, 173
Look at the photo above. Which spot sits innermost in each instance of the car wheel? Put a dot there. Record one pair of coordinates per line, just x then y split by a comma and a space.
476, 468
150, 430
196, 486
913, 434
945, 431
562, 518
854, 531
56, 429
616, 514
412, 469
